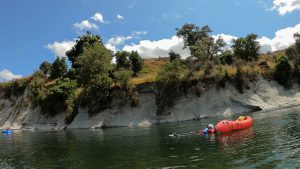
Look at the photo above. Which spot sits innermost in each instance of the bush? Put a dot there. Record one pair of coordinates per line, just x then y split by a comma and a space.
226, 58
58, 68
58, 97
239, 80
14, 88
223, 79
283, 72
136, 62
37, 89
173, 56
168, 85
97, 96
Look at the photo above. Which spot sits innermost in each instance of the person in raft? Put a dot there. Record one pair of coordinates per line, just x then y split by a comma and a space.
209, 129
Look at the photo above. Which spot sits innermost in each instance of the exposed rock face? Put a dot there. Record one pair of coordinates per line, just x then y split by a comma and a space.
263, 95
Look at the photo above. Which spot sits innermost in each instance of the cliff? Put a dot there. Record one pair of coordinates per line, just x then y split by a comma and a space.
262, 95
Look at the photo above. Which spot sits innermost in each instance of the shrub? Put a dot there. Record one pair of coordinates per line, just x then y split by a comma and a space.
58, 68
173, 56
136, 62
97, 96
14, 88
58, 97
239, 80
168, 85
283, 72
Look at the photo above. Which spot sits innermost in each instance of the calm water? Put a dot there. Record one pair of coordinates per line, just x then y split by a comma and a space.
273, 142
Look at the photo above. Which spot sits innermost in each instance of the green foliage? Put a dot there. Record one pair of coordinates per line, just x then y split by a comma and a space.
136, 62
122, 60
93, 61
226, 58
122, 77
207, 49
203, 47
72, 74
45, 68
223, 79
246, 48
37, 89
173, 56
240, 80
57, 97
98, 95
14, 88
84, 41
192, 33
168, 85
283, 72
58, 68
293, 53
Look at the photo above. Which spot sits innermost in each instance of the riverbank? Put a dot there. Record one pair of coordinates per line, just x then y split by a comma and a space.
262, 95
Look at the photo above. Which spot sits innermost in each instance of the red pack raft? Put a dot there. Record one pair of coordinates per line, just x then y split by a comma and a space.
241, 123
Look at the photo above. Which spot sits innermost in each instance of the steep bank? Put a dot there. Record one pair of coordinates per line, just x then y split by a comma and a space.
263, 95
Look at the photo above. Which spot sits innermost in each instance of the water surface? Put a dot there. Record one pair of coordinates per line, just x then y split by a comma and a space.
272, 142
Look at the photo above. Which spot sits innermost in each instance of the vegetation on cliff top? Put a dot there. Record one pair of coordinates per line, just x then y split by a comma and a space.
95, 81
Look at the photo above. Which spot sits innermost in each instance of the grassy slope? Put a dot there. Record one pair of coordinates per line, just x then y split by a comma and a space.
152, 67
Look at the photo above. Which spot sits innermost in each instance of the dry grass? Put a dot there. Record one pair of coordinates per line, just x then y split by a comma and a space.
150, 70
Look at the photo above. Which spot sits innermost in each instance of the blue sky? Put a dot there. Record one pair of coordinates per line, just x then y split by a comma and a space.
29, 29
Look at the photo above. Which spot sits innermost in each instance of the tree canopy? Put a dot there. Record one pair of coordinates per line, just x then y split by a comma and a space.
246, 48
58, 68
82, 42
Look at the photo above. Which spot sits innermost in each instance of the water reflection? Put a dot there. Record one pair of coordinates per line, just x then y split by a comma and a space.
227, 139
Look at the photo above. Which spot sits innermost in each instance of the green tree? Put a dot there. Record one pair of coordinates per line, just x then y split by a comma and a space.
246, 48
122, 77
207, 48
45, 68
283, 72
192, 33
136, 62
173, 56
168, 85
293, 53
203, 47
58, 68
122, 60
98, 95
56, 98
227, 57
93, 61
82, 42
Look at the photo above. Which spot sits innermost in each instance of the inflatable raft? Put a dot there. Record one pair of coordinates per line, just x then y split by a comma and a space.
242, 122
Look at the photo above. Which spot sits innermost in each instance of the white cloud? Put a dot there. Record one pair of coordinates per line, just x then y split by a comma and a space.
60, 48
150, 49
98, 17
283, 39
85, 25
227, 38
6, 75
120, 17
115, 41
118, 40
111, 47
286, 6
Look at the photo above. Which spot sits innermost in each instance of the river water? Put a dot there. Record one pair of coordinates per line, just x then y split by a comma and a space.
272, 142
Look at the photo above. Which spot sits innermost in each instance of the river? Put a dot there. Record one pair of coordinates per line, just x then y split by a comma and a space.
272, 142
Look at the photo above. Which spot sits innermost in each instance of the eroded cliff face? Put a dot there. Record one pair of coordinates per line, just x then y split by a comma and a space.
262, 95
